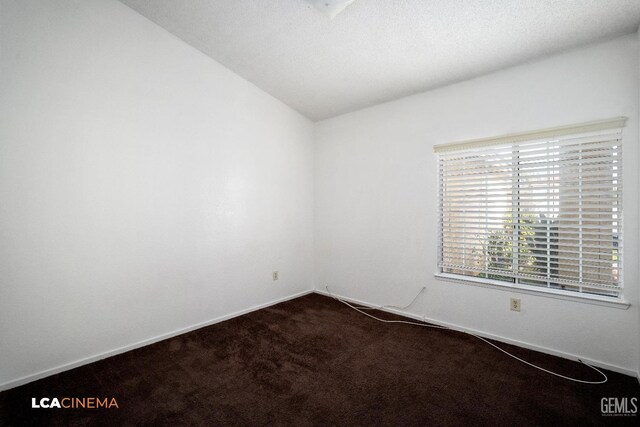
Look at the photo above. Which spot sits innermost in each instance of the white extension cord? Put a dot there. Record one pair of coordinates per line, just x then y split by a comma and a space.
427, 325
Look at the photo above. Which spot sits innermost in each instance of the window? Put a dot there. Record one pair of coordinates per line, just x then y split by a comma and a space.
541, 210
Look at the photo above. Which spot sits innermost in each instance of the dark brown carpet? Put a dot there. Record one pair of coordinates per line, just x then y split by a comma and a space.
314, 361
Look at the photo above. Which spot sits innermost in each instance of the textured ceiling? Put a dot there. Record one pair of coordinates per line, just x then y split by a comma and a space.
378, 50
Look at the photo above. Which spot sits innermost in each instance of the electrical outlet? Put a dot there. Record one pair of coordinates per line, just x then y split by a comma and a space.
515, 304
275, 275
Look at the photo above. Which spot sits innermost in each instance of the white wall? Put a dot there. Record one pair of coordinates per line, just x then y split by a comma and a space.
144, 188
376, 198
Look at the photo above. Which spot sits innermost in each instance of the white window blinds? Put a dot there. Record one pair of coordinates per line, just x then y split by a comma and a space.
542, 209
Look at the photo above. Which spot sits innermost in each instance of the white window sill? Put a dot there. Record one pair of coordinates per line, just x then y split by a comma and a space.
526, 289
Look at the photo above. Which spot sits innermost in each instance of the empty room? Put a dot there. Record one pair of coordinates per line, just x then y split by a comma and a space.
319, 212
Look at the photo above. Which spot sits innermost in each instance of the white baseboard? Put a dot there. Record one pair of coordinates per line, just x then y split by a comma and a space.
84, 361
483, 334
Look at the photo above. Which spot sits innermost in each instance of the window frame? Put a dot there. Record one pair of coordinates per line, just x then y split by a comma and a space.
513, 141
